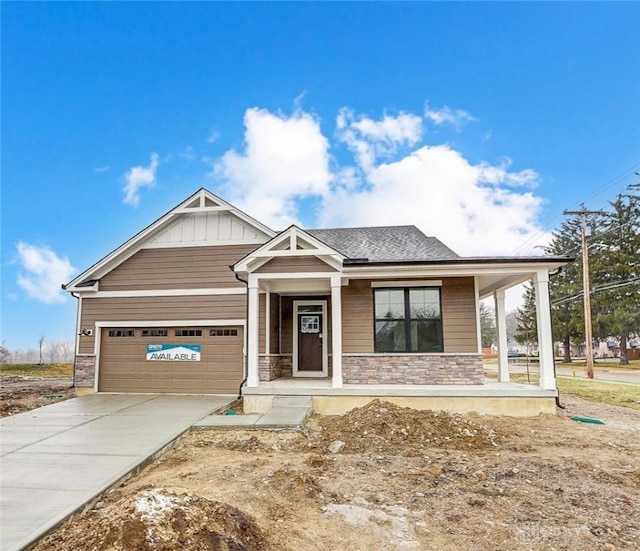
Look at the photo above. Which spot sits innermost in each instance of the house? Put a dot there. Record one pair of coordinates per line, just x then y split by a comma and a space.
209, 300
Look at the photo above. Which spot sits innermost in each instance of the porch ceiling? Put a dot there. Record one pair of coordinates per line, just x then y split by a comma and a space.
488, 284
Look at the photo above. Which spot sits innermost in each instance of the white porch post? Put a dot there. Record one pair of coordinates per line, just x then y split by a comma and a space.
252, 330
545, 336
501, 326
336, 330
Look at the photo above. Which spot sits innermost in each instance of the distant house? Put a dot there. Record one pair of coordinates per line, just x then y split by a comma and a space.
209, 300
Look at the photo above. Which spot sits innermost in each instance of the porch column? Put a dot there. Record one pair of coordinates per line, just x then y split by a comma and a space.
252, 332
545, 336
501, 329
336, 330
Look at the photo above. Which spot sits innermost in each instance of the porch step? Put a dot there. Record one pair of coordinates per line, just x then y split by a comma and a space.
292, 401
286, 412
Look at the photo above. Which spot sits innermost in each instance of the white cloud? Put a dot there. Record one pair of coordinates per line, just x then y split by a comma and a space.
285, 158
443, 194
445, 115
101, 169
137, 178
369, 139
284, 166
43, 273
213, 136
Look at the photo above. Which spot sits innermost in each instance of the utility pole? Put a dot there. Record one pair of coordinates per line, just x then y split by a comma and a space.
586, 291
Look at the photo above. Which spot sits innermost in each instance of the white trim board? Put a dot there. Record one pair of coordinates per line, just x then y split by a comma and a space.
167, 293
407, 283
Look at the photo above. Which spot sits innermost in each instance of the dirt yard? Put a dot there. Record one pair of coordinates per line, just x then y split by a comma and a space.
379, 477
383, 478
19, 394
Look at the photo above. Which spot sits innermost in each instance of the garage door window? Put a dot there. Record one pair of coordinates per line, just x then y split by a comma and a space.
188, 332
223, 332
121, 333
154, 332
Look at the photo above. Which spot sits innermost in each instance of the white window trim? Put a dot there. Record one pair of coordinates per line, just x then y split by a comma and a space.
323, 332
410, 283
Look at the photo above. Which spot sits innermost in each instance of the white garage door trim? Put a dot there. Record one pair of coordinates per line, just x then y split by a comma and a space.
159, 323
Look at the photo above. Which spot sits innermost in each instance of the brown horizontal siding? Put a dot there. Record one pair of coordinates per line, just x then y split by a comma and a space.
216, 307
459, 315
177, 268
274, 344
357, 317
295, 264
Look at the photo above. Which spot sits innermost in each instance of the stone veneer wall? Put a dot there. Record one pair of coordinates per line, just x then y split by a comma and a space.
85, 372
274, 366
413, 369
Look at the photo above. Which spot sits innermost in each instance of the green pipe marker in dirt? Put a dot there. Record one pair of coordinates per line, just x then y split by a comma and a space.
588, 420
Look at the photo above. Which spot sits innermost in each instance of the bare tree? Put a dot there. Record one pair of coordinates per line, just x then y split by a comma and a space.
5, 355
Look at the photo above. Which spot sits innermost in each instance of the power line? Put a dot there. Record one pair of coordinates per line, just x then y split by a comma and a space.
549, 228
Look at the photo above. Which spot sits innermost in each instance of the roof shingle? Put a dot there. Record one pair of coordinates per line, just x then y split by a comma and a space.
384, 244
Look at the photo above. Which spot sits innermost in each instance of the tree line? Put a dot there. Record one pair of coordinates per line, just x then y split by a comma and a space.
614, 272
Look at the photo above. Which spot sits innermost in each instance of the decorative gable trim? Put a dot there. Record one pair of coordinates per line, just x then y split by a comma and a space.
203, 219
293, 242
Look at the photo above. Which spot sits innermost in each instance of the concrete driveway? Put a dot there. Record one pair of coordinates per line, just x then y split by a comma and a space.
57, 458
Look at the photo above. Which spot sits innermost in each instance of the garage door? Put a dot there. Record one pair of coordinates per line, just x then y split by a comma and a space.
199, 360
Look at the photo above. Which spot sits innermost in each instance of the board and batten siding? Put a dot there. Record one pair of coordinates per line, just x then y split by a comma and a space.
208, 307
177, 268
295, 264
458, 316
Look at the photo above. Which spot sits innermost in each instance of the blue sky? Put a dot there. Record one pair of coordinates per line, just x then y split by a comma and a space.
477, 122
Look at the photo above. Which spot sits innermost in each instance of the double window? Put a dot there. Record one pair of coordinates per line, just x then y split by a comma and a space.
408, 320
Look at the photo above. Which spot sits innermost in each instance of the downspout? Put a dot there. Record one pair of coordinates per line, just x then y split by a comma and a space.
75, 340
246, 340
558, 404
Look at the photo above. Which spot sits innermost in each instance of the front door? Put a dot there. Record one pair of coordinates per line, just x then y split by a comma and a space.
310, 355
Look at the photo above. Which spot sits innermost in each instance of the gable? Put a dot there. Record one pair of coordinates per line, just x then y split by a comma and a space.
212, 227
202, 220
293, 250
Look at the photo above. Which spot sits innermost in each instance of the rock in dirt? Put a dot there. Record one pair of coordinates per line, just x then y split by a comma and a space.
159, 519
336, 446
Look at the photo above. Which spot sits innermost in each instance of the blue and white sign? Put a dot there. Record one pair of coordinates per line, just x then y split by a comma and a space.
174, 352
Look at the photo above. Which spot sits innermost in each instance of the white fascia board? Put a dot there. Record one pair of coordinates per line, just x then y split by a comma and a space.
444, 270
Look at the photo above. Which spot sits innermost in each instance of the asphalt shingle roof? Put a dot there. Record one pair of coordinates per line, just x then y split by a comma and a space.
384, 244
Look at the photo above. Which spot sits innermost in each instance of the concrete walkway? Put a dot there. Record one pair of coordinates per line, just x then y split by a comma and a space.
287, 412
58, 458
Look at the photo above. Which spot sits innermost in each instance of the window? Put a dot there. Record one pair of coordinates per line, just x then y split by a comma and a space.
188, 333
154, 332
223, 332
408, 320
121, 333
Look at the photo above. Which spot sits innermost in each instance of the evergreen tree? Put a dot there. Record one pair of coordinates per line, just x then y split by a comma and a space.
565, 287
616, 281
527, 332
487, 325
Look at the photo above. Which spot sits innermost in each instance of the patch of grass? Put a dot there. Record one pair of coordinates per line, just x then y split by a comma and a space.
613, 362
37, 370
615, 394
